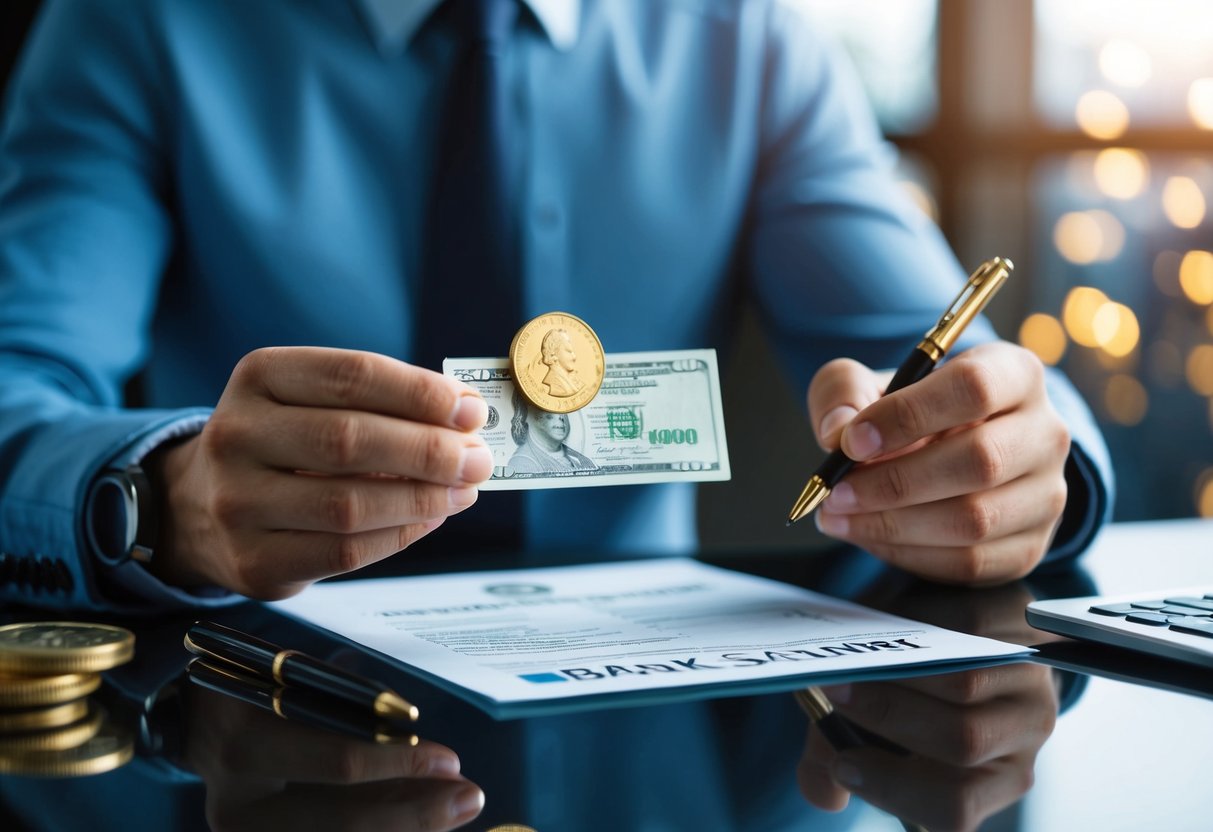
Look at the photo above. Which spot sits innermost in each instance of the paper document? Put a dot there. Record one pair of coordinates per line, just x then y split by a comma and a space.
548, 634
657, 418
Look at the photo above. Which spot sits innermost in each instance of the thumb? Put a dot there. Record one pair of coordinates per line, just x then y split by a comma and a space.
838, 391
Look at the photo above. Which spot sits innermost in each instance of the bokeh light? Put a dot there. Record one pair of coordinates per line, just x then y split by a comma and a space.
1125, 62
1196, 276
1126, 400
1183, 202
1166, 272
1200, 102
1078, 314
1199, 369
1085, 237
1043, 335
1115, 329
1121, 172
1204, 493
1101, 115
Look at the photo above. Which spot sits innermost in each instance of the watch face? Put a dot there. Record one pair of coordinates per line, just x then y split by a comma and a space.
112, 518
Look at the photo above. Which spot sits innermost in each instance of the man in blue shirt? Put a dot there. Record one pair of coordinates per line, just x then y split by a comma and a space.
188, 188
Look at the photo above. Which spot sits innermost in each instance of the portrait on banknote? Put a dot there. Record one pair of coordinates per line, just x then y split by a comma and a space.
542, 440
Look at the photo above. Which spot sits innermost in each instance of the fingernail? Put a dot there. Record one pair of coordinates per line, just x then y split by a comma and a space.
467, 802
444, 764
477, 464
842, 498
832, 524
863, 440
846, 774
835, 419
462, 497
471, 413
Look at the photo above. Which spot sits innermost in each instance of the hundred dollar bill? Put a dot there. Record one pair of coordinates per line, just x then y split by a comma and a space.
656, 418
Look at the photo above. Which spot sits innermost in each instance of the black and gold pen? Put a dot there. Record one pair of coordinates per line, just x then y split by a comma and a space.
291, 668
977, 292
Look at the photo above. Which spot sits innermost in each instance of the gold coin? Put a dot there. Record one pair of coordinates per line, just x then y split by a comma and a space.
512, 827
557, 362
111, 747
40, 718
44, 647
64, 738
33, 691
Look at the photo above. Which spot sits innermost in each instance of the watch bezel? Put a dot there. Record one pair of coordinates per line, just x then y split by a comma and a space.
129, 490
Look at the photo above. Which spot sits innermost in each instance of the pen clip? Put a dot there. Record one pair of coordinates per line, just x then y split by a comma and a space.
977, 292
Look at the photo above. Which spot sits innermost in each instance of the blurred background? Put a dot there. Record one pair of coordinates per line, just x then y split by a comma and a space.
1073, 136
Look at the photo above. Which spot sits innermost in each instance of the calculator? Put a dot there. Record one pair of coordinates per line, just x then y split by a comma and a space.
1175, 624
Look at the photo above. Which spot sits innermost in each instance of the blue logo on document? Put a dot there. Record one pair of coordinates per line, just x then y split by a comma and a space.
540, 678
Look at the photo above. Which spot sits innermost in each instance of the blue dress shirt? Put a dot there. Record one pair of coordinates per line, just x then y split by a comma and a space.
183, 182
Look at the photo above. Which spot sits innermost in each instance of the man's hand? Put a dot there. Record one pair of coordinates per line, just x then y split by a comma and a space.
316, 462
962, 476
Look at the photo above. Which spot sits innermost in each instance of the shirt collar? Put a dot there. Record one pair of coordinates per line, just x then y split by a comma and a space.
394, 22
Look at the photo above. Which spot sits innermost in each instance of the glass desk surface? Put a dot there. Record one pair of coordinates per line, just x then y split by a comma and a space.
1078, 737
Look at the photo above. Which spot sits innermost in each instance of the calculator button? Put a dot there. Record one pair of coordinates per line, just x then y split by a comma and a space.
1175, 610
1149, 605
1151, 618
1199, 627
1199, 603
1113, 609
1189, 619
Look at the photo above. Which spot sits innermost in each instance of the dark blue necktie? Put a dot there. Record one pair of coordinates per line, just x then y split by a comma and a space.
470, 291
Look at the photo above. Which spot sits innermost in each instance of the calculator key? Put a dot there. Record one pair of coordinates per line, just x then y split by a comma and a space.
1202, 627
1199, 603
1151, 618
1189, 619
1175, 610
1149, 605
1113, 609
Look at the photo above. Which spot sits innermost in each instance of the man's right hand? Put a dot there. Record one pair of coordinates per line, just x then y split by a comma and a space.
315, 462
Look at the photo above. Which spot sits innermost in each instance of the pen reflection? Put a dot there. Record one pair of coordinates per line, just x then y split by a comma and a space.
968, 740
263, 772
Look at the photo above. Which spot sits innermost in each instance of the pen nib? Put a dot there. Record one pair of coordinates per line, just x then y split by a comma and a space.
393, 706
814, 492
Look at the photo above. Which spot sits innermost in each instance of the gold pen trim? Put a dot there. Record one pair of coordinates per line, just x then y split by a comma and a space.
815, 490
981, 286
392, 705
276, 668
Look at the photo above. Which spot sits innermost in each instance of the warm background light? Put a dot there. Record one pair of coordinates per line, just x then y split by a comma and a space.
1182, 202
1126, 400
1124, 62
1204, 493
1196, 276
1043, 335
1086, 237
1199, 369
1101, 115
1078, 314
1120, 172
922, 198
1200, 102
1115, 329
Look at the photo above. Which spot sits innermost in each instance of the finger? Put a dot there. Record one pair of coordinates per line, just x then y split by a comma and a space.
933, 794
976, 459
973, 519
970, 565
352, 442
345, 505
405, 805
838, 391
813, 775
286, 562
356, 380
977, 384
967, 734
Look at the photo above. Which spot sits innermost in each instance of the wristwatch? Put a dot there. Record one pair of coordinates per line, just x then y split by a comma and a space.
120, 516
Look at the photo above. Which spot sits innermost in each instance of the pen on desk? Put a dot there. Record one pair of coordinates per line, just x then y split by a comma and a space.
294, 669
977, 291
841, 734
296, 704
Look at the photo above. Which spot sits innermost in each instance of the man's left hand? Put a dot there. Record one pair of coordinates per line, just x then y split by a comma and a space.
962, 475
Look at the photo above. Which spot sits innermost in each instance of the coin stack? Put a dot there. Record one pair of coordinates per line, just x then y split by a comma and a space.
48, 725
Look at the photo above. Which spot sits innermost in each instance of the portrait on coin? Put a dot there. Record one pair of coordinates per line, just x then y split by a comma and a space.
556, 352
542, 440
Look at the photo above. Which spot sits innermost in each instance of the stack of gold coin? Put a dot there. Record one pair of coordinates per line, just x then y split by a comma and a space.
48, 726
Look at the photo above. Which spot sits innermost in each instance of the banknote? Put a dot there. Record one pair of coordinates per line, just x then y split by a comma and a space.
656, 418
